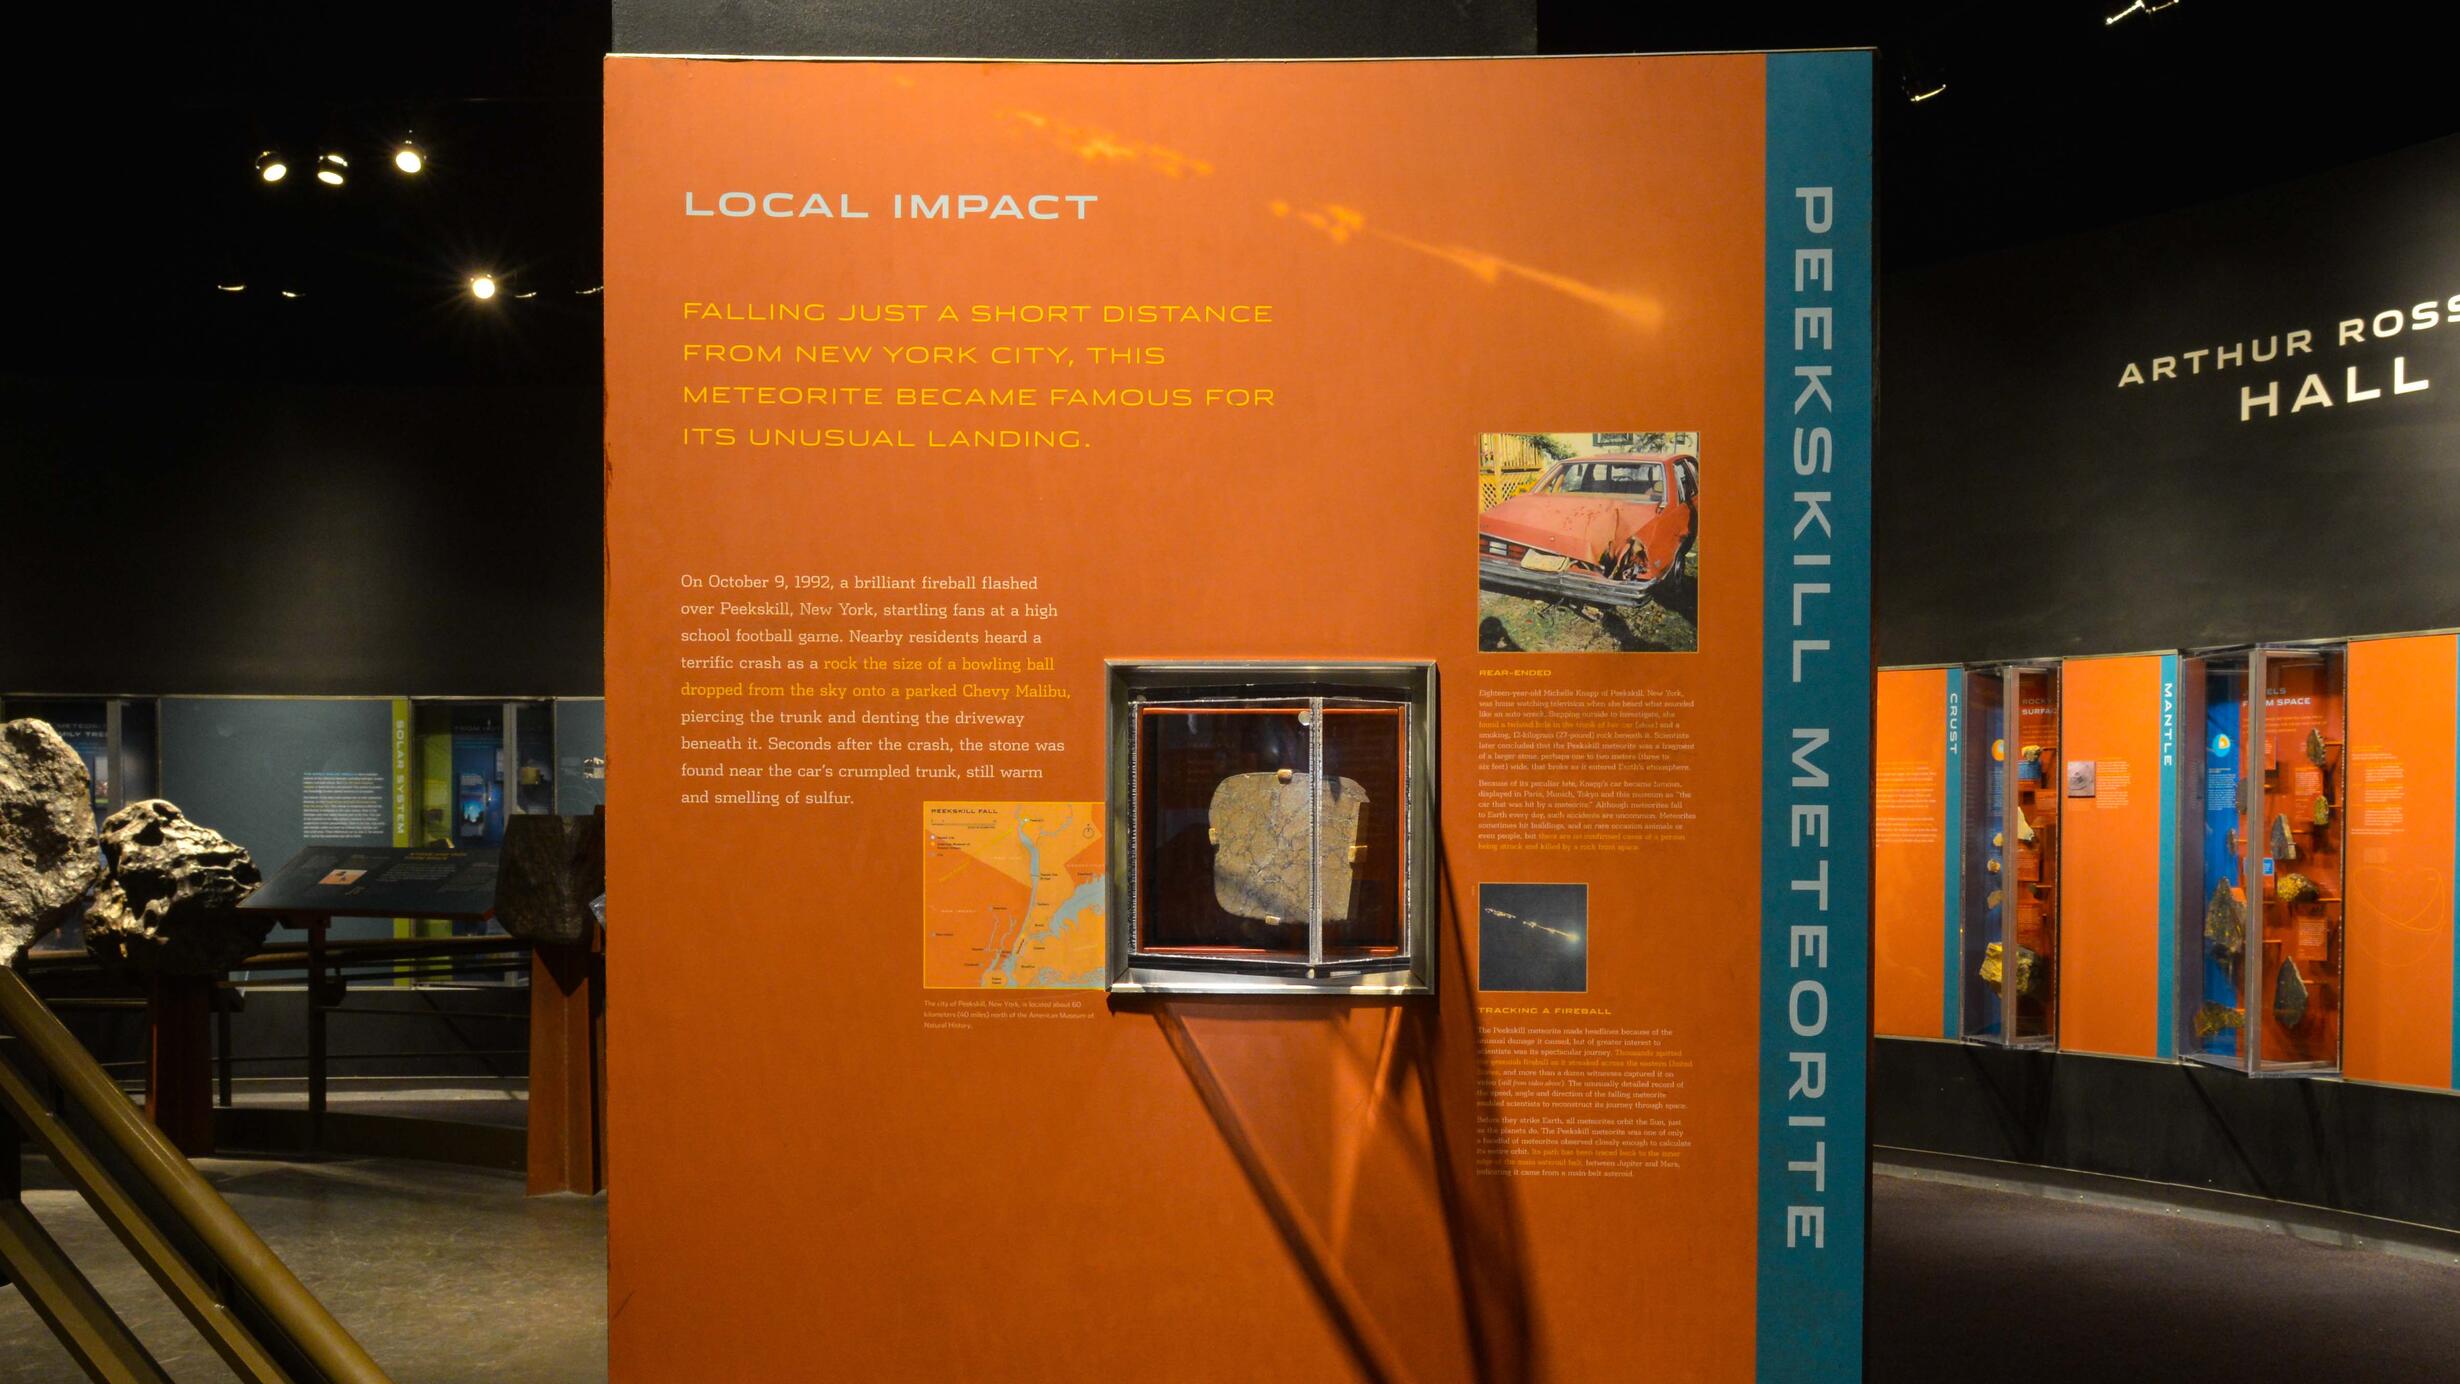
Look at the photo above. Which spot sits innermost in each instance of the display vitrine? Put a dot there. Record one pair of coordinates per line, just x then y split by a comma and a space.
2009, 892
2263, 784
1270, 827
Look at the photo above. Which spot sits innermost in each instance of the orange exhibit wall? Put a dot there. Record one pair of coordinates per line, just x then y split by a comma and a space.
942, 394
1910, 858
2119, 819
2403, 739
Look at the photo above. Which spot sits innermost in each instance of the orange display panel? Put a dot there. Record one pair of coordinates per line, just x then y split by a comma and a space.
2112, 798
899, 466
1911, 855
2400, 793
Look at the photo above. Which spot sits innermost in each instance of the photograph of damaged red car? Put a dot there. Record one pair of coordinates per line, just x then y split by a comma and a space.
1594, 530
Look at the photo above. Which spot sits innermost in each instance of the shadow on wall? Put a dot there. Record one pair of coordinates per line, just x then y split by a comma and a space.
1355, 1122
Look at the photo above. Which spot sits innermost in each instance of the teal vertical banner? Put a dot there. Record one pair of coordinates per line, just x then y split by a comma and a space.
1815, 765
2165, 964
1952, 866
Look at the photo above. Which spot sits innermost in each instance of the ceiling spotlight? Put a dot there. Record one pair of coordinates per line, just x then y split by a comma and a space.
271, 167
290, 293
232, 288
592, 291
2138, 7
531, 294
332, 169
1917, 97
482, 287
407, 158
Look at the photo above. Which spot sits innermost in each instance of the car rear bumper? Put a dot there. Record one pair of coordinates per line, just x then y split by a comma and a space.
1506, 578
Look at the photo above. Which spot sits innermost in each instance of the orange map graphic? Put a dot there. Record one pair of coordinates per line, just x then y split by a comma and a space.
1013, 896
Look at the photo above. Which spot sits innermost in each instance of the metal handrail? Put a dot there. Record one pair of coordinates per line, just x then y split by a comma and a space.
236, 1250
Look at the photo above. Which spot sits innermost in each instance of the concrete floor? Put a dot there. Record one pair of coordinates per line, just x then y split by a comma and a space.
449, 1274
445, 1274
2015, 1284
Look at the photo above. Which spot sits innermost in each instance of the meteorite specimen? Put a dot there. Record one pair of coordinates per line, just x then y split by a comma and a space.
552, 868
2323, 812
2284, 846
2024, 828
2318, 753
2028, 968
2212, 1020
2289, 996
2294, 888
2224, 921
1260, 835
47, 856
2030, 771
170, 905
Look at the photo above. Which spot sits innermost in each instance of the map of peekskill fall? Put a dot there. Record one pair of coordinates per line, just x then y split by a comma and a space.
1013, 896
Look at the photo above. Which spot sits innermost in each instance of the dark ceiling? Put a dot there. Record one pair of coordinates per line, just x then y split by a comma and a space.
137, 197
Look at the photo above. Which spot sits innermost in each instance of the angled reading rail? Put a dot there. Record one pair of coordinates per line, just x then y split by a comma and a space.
238, 1295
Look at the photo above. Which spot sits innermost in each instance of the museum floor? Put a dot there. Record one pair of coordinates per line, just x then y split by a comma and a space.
2015, 1282
452, 1275
446, 1274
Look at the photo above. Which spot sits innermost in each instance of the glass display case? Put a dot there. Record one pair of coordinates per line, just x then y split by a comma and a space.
2263, 787
1270, 827
2009, 893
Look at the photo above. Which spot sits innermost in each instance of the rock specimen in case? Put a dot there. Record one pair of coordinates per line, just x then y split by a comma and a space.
1259, 825
2289, 996
170, 904
2028, 968
2213, 1020
48, 858
2323, 812
2295, 888
552, 868
2224, 921
2318, 753
2284, 846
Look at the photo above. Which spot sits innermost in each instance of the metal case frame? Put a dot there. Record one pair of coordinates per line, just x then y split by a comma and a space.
2250, 850
1411, 685
2010, 678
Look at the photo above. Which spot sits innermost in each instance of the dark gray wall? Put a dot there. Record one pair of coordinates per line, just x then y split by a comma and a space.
2029, 505
304, 538
2375, 1150
1078, 28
